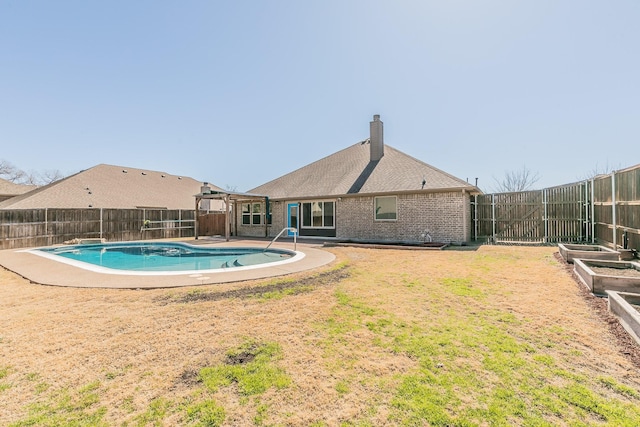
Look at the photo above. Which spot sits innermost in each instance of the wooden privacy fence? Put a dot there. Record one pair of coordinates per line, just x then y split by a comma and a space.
43, 227
616, 208
604, 210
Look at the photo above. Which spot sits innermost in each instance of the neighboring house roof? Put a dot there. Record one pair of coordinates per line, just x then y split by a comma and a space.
108, 186
350, 171
8, 188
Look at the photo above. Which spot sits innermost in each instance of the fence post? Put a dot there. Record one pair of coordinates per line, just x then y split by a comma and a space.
46, 226
593, 211
101, 222
586, 211
613, 210
545, 220
493, 218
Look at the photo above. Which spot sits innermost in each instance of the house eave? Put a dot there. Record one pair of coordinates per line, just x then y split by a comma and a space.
471, 190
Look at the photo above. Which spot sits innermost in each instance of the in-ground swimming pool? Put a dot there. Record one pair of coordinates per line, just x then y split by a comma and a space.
147, 258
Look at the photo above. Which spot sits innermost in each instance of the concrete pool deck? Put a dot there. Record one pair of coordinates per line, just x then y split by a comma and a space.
44, 271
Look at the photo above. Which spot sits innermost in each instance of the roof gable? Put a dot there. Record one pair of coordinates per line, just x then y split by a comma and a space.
350, 171
108, 186
8, 188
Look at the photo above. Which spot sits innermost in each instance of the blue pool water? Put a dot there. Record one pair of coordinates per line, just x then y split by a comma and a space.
164, 257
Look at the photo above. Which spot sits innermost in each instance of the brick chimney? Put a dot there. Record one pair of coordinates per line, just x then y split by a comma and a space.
375, 138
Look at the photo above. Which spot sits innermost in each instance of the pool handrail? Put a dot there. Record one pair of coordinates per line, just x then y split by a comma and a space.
295, 234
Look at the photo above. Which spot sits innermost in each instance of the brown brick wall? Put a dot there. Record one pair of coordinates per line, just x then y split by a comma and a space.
445, 216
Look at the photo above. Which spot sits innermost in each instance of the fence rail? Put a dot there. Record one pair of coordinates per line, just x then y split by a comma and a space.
43, 227
604, 210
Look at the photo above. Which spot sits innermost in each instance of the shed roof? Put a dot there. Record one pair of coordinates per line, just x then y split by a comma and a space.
350, 171
109, 186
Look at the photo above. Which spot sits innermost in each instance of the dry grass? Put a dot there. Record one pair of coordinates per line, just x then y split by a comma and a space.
359, 348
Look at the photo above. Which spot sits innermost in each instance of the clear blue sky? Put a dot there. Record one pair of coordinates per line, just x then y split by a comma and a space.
241, 92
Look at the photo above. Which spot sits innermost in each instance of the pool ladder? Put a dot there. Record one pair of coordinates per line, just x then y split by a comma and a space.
295, 234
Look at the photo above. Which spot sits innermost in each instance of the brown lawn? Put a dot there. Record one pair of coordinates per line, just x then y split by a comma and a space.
140, 347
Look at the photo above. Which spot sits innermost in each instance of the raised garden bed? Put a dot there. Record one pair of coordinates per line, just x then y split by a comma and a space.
601, 275
570, 252
624, 306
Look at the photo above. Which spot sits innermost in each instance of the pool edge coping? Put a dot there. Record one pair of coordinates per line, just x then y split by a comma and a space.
46, 272
298, 255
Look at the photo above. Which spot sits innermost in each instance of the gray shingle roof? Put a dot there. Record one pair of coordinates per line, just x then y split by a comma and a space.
108, 186
349, 171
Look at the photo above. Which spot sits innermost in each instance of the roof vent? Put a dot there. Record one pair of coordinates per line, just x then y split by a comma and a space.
124, 171
144, 173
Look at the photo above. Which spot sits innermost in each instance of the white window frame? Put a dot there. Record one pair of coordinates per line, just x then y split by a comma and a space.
375, 208
323, 226
245, 214
255, 210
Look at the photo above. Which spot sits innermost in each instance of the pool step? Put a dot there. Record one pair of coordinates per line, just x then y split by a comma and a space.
236, 263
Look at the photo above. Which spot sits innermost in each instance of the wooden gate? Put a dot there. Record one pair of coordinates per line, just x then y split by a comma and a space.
211, 224
509, 217
557, 214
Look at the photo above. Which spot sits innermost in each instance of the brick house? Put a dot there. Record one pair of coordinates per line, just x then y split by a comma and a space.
366, 192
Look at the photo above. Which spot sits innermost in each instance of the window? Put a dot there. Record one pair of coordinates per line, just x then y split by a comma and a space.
318, 215
246, 214
328, 214
256, 216
251, 213
386, 208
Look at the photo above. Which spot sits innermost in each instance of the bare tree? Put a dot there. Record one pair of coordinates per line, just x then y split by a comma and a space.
11, 173
599, 170
47, 177
516, 180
